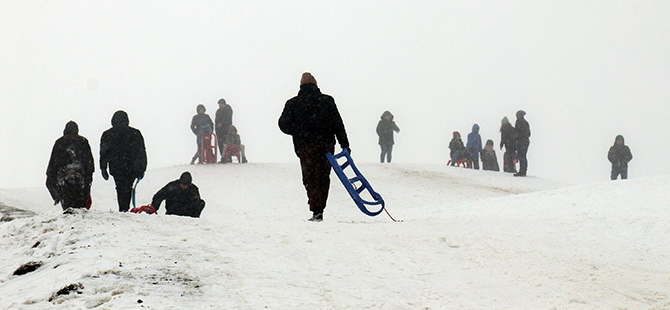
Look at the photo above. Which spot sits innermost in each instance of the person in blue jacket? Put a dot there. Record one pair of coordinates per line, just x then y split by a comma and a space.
474, 146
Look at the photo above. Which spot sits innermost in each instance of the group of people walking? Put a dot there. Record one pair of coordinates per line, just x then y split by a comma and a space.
228, 140
123, 156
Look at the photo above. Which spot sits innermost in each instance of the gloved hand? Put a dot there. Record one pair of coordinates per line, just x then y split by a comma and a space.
105, 175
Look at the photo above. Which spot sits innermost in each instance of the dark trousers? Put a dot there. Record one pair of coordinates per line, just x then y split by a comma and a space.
616, 171
522, 150
124, 191
474, 160
387, 149
316, 173
221, 139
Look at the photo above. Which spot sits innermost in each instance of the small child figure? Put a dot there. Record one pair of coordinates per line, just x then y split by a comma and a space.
457, 148
489, 158
234, 147
200, 124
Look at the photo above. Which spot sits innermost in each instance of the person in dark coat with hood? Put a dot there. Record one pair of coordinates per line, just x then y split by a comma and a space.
70, 169
181, 197
223, 120
474, 146
122, 149
312, 119
385, 129
508, 140
522, 142
619, 155
201, 124
456, 148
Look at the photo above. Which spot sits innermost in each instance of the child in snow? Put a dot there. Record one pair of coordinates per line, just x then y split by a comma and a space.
489, 158
508, 140
385, 129
619, 155
474, 146
200, 124
181, 197
234, 147
456, 147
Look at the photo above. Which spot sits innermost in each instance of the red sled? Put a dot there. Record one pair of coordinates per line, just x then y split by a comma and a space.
149, 209
208, 148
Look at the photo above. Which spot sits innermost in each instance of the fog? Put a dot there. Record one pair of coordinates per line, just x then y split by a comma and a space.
583, 72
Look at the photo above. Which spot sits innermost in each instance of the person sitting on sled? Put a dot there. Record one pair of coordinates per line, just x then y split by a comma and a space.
70, 170
234, 147
457, 149
181, 197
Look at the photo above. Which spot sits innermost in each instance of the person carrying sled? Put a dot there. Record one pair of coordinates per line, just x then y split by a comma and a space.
619, 155
181, 197
201, 124
474, 146
489, 158
234, 147
522, 142
122, 149
223, 120
456, 148
508, 140
312, 119
385, 129
70, 169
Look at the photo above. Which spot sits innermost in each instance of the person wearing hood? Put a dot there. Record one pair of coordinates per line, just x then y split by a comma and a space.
522, 142
70, 169
313, 121
474, 146
122, 149
234, 147
201, 124
456, 148
385, 129
181, 197
489, 158
223, 120
508, 140
619, 155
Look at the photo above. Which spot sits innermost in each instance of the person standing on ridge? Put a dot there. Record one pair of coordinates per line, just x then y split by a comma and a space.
474, 146
223, 120
385, 129
122, 149
508, 140
619, 155
312, 119
201, 124
522, 142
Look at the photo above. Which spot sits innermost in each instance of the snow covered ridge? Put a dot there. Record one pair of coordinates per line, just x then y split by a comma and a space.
469, 240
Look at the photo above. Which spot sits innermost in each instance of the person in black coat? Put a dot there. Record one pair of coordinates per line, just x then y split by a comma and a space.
385, 129
70, 169
312, 119
489, 158
122, 149
181, 197
619, 155
456, 148
522, 142
508, 140
201, 124
223, 120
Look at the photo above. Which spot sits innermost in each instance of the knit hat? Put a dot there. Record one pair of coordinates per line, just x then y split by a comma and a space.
505, 120
185, 178
222, 101
200, 106
71, 128
456, 134
307, 78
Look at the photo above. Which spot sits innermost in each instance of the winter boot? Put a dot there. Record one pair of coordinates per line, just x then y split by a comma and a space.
317, 217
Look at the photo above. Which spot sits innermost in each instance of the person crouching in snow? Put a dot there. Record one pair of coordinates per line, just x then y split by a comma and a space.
234, 147
456, 147
619, 155
181, 197
70, 170
489, 158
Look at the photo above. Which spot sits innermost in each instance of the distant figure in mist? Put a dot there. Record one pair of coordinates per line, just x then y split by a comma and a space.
619, 155
234, 147
312, 119
70, 169
223, 120
522, 142
489, 158
201, 124
122, 149
508, 140
385, 129
456, 148
181, 197
474, 146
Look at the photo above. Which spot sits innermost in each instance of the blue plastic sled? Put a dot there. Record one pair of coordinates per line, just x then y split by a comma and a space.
356, 185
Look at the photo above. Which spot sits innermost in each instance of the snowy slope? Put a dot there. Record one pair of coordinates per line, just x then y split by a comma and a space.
469, 240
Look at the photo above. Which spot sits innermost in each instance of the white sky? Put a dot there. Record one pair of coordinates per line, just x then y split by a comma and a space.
584, 71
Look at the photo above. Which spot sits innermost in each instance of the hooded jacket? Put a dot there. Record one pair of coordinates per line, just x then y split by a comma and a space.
122, 148
71, 154
312, 117
507, 135
619, 155
474, 145
201, 123
385, 129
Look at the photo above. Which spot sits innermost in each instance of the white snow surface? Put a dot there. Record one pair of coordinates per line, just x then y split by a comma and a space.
468, 240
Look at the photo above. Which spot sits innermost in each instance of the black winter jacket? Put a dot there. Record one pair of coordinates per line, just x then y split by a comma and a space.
312, 117
385, 129
508, 137
122, 148
522, 129
71, 154
185, 202
223, 119
619, 155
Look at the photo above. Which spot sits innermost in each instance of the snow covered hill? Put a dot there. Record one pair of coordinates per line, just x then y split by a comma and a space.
468, 240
